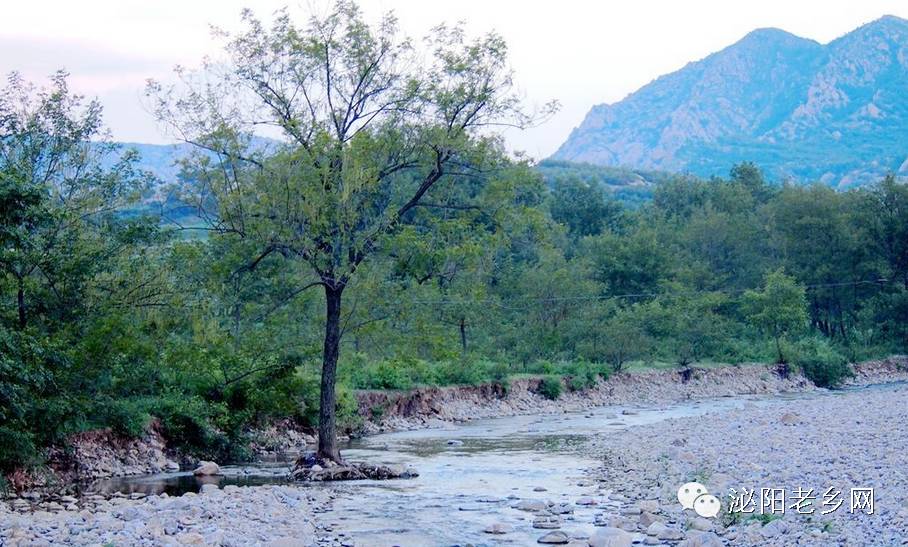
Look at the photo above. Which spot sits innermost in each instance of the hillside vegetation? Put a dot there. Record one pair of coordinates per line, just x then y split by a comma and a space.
835, 113
111, 319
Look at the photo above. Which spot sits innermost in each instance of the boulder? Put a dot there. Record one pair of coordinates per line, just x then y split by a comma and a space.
610, 537
207, 468
656, 528
547, 522
499, 528
351, 471
554, 538
701, 539
531, 506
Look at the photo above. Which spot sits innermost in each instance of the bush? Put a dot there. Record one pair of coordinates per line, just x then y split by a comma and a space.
821, 363
127, 417
187, 423
462, 372
585, 375
550, 387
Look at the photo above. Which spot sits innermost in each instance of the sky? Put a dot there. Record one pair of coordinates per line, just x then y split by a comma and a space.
581, 53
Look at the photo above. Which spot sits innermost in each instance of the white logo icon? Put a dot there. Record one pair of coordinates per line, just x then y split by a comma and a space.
707, 505
689, 492
694, 495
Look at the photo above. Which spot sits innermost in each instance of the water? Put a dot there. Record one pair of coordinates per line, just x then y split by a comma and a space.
466, 485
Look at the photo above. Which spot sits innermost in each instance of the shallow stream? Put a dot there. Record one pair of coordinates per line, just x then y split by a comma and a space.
471, 475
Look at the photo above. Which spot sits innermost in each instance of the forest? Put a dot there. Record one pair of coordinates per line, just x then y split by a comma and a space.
116, 311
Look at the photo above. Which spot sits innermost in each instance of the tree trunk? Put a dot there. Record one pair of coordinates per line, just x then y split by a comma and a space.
327, 423
20, 300
463, 334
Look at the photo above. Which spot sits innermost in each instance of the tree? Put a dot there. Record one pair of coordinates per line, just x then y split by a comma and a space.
585, 209
60, 181
779, 309
625, 338
371, 136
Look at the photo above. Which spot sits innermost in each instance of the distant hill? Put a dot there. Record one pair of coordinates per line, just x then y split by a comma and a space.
630, 185
835, 113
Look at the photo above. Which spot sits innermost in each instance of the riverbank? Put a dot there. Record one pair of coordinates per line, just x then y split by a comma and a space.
276, 516
523, 477
846, 440
100, 454
438, 406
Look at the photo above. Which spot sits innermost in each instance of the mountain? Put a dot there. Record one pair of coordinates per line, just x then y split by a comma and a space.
836, 113
159, 159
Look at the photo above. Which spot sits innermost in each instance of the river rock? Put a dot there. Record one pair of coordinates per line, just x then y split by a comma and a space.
531, 506
672, 534
610, 537
171, 465
701, 524
790, 418
773, 529
498, 528
647, 518
701, 539
351, 471
656, 528
207, 468
547, 522
210, 489
561, 509
554, 538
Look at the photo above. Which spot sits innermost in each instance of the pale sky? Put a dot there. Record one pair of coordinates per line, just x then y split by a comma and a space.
581, 53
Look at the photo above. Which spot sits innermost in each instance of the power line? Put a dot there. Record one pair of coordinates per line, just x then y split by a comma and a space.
600, 297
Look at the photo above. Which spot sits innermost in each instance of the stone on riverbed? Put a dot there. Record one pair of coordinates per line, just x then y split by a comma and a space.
554, 538
701, 539
499, 528
610, 537
351, 472
547, 522
207, 468
531, 506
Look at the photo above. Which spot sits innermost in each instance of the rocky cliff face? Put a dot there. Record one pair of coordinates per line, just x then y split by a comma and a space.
837, 113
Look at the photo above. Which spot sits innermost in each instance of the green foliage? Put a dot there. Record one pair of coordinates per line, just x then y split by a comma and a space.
117, 322
821, 363
779, 309
550, 387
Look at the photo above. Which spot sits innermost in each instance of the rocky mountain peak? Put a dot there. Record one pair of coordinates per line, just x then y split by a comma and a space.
803, 110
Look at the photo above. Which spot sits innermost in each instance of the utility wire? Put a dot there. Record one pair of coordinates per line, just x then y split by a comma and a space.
585, 298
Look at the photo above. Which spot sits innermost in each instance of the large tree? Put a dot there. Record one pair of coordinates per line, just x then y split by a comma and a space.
368, 131
61, 181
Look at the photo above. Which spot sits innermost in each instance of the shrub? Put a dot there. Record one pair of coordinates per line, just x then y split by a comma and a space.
585, 376
127, 417
466, 372
187, 423
821, 363
550, 387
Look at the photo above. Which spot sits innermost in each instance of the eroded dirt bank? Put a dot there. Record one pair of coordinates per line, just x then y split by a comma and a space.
100, 454
434, 406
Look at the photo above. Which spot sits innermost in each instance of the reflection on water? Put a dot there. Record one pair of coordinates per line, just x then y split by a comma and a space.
177, 484
471, 475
